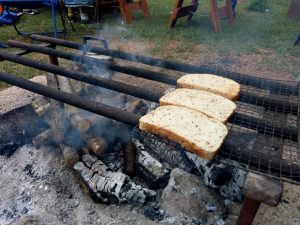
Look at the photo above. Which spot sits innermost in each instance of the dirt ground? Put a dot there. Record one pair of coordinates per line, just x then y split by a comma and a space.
36, 186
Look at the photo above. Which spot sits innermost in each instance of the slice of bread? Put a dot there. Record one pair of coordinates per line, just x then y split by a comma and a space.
212, 105
191, 129
211, 83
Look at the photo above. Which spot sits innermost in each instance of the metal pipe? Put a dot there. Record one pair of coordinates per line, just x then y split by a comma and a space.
138, 72
84, 77
95, 107
143, 93
261, 162
262, 127
269, 103
248, 80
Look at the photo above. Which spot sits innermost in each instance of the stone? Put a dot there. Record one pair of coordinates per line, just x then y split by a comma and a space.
186, 198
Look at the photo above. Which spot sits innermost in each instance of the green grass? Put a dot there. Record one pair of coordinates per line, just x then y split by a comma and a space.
252, 31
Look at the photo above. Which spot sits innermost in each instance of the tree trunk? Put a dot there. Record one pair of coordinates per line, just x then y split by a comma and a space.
294, 10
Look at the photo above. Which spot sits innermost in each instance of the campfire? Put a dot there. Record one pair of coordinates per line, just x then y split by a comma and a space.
94, 121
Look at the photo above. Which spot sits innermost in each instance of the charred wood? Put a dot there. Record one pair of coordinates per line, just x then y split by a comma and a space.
70, 155
97, 145
130, 155
43, 139
153, 172
160, 148
111, 187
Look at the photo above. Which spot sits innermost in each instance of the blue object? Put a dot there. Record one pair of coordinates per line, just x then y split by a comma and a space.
8, 18
34, 4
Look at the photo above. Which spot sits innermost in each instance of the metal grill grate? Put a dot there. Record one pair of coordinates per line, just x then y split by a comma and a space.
263, 132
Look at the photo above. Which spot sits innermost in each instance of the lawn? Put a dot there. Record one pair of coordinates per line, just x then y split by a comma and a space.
268, 35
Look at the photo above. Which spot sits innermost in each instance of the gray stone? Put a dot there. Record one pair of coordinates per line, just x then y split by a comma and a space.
186, 197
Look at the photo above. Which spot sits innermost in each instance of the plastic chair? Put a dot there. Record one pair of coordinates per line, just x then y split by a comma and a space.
34, 4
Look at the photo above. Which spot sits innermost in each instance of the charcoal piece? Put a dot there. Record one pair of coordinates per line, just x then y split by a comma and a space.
130, 153
153, 213
214, 174
43, 139
108, 186
168, 154
227, 179
71, 156
152, 171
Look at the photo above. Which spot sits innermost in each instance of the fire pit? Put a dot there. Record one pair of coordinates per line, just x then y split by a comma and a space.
263, 131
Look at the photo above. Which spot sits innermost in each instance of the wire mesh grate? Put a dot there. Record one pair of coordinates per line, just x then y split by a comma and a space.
263, 132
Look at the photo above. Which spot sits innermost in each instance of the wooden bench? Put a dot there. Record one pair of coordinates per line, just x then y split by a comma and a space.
126, 7
215, 12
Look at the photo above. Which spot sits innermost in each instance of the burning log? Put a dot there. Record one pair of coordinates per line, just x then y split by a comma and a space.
40, 104
152, 171
97, 145
71, 156
130, 154
78, 121
169, 155
110, 187
42, 139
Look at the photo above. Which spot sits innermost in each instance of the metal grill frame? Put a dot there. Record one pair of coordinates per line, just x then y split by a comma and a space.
279, 98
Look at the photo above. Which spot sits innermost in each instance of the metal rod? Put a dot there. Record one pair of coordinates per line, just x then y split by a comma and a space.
269, 103
238, 119
248, 80
136, 91
95, 107
262, 127
254, 159
138, 72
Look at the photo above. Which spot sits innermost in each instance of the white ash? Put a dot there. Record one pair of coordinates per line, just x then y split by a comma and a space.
228, 180
110, 186
152, 171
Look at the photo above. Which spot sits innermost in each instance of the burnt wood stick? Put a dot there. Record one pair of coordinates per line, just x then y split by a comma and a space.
248, 80
268, 103
95, 107
84, 77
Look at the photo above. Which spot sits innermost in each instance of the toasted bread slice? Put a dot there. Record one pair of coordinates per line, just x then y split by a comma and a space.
191, 129
211, 83
212, 105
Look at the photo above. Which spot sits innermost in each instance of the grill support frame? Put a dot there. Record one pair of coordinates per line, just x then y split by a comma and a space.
291, 109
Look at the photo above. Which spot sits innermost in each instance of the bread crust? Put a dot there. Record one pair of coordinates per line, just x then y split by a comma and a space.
232, 93
185, 142
206, 102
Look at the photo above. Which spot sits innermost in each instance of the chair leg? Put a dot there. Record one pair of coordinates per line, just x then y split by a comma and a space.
125, 11
229, 12
173, 18
144, 6
194, 4
53, 19
214, 15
